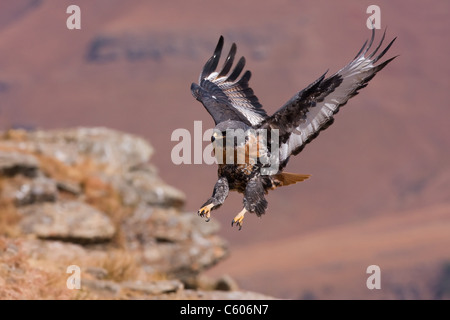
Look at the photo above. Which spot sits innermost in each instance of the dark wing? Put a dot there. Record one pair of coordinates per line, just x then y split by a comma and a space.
311, 110
225, 96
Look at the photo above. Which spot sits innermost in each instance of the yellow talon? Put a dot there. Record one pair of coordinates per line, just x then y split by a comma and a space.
239, 219
206, 211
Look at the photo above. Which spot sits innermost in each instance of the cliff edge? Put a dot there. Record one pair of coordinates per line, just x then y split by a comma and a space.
84, 215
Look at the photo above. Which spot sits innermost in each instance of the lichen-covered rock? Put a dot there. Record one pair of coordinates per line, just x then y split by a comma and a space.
28, 191
68, 221
173, 242
13, 162
89, 197
142, 185
153, 287
123, 159
116, 150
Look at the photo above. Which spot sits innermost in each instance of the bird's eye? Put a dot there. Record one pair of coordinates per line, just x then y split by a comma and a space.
213, 138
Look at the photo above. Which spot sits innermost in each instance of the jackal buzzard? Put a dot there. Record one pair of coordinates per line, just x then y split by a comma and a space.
233, 106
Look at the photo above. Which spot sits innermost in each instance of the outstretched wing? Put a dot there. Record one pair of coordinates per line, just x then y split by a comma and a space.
311, 110
225, 96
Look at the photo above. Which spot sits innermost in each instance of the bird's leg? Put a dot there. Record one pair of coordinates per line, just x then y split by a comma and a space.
239, 219
219, 195
254, 201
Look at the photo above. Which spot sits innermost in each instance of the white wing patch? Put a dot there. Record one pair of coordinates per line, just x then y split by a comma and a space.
237, 97
240, 95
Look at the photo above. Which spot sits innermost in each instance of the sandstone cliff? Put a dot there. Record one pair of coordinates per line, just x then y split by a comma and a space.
90, 198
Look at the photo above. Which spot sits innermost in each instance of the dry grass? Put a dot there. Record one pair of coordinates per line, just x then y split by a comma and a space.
105, 198
60, 171
120, 265
9, 217
17, 135
19, 279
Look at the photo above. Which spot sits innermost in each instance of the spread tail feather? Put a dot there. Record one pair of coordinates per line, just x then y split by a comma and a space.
287, 178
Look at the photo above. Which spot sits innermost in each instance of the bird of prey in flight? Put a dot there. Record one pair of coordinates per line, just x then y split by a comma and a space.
267, 140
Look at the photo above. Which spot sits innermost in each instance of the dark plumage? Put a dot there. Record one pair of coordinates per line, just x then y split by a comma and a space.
245, 137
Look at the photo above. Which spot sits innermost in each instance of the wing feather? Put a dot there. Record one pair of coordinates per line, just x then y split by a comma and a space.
312, 110
237, 100
211, 64
228, 62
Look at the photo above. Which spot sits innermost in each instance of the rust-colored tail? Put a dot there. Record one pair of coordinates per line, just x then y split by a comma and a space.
287, 178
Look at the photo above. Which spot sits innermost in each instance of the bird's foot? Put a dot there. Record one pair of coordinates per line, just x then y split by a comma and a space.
239, 219
205, 212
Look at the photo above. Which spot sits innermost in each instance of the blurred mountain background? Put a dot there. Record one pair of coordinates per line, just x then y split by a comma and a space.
380, 187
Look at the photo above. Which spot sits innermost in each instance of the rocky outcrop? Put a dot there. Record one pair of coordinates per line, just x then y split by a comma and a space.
89, 197
72, 221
